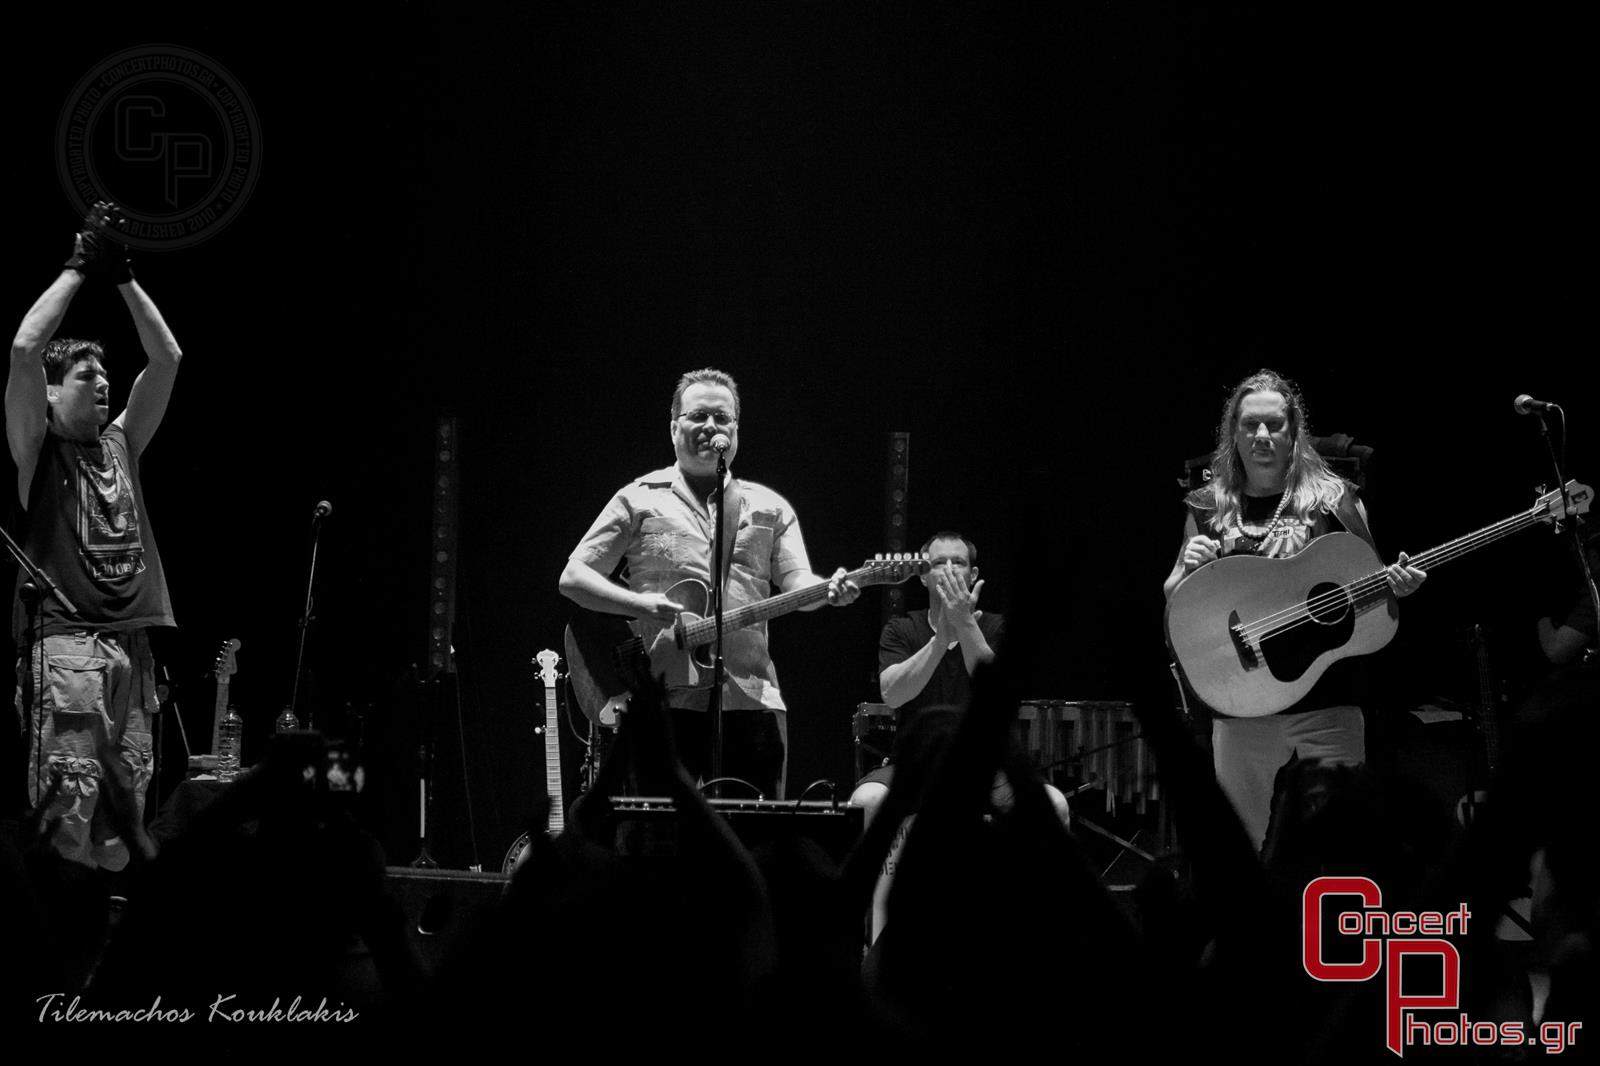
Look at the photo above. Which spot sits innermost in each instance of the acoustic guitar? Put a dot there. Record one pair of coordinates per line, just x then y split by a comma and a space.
1253, 635
609, 657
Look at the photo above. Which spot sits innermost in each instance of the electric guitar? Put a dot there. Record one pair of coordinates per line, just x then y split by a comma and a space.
223, 669
604, 650
226, 666
1253, 635
551, 729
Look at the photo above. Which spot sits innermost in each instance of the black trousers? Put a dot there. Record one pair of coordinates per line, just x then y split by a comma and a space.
752, 749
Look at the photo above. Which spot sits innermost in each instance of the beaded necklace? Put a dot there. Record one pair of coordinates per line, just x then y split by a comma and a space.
1253, 542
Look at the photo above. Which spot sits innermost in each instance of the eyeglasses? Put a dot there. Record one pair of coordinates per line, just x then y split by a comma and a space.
720, 418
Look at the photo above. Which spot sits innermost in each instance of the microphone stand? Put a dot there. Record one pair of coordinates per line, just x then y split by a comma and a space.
40, 579
714, 704
32, 593
1561, 483
305, 618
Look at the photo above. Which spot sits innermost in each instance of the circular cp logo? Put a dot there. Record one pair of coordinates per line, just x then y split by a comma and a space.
169, 136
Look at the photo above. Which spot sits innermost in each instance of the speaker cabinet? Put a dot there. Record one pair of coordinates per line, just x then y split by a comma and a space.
442, 906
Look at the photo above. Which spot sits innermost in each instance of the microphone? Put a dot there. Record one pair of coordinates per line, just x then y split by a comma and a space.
1527, 405
324, 509
721, 443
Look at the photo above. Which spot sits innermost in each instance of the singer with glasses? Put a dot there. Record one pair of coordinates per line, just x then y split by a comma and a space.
656, 531
87, 676
1271, 494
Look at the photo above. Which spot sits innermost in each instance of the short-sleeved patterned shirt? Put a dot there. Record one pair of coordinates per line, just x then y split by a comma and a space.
663, 534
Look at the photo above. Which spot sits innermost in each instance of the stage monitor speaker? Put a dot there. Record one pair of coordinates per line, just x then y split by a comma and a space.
442, 906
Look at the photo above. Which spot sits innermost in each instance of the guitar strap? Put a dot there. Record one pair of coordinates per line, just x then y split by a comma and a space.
1352, 518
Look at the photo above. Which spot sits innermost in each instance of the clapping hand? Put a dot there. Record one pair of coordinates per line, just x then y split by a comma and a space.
98, 249
960, 605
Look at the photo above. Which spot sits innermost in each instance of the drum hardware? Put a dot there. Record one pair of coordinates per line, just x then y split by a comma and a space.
872, 730
1078, 821
1094, 734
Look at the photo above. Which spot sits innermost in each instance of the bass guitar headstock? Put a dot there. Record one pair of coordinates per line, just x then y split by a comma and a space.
1564, 503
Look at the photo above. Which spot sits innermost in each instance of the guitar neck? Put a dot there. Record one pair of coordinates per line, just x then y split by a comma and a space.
705, 631
1473, 541
1455, 549
218, 713
552, 759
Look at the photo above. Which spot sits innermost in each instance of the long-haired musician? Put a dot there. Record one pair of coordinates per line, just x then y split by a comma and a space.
1271, 494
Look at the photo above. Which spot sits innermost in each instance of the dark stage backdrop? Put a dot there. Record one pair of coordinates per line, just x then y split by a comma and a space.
1044, 244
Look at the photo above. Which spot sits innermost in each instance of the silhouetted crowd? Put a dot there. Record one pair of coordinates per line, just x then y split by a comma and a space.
674, 934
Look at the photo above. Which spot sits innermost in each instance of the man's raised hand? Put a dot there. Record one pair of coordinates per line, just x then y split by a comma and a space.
959, 603
98, 250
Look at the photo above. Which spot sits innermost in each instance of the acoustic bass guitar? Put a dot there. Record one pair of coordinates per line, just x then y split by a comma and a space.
1253, 635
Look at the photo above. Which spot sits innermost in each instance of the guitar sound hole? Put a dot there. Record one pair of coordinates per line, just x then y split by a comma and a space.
1328, 604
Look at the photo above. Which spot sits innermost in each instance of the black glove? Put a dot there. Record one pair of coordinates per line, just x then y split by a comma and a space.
98, 251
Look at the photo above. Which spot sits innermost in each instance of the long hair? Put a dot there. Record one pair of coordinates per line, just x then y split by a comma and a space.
1310, 484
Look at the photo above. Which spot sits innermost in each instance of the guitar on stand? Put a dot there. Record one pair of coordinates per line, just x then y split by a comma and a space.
226, 665
547, 662
603, 650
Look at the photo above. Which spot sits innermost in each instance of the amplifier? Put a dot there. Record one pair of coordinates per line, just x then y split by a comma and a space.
442, 907
645, 824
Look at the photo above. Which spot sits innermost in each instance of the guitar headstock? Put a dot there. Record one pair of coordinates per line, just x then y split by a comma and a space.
1556, 508
891, 568
548, 661
227, 664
